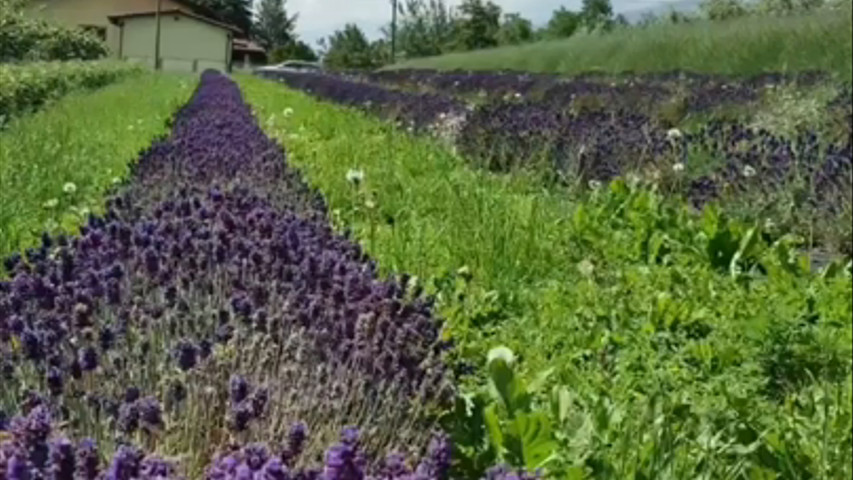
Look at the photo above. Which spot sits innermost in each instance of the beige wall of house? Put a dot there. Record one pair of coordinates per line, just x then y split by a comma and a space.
186, 44
94, 13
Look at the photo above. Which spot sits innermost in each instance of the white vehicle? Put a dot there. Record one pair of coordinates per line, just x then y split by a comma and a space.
291, 66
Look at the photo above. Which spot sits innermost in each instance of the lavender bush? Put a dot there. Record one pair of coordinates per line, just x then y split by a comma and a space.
213, 305
589, 130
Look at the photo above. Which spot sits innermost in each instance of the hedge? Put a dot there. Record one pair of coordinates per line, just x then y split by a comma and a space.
26, 87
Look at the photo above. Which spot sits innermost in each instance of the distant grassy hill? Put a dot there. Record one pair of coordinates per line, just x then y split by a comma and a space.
744, 46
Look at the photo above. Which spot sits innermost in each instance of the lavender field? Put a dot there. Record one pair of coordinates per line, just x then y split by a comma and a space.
423, 275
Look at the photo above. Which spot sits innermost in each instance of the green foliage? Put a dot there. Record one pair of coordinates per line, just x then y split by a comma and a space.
478, 25
234, 12
682, 345
26, 87
274, 28
350, 49
86, 139
424, 28
502, 421
297, 50
23, 38
821, 40
515, 29
597, 14
723, 9
563, 23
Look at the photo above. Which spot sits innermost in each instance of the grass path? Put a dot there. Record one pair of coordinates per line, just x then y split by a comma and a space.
745, 46
56, 164
622, 292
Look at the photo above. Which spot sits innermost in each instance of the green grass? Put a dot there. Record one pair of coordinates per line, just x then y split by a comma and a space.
682, 361
82, 144
744, 46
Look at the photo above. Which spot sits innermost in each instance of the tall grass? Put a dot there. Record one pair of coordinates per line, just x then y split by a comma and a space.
743, 46
56, 164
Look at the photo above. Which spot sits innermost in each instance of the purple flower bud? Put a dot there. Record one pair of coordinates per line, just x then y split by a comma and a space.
62, 459
88, 359
125, 464
131, 394
238, 388
87, 459
55, 381
186, 354
150, 413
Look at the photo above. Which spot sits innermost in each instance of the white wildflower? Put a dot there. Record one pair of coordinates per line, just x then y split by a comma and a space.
370, 204
287, 112
52, 203
673, 134
517, 95
678, 167
586, 268
116, 180
355, 176
594, 184
69, 188
749, 171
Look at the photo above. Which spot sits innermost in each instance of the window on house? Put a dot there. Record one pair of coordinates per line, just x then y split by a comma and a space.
100, 32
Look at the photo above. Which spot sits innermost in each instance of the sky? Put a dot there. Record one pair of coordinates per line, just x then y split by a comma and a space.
319, 18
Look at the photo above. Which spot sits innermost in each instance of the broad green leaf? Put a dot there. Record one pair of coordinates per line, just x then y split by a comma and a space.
561, 403
538, 446
493, 427
541, 379
502, 381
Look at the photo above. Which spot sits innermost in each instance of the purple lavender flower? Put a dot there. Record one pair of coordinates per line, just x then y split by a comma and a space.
87, 459
238, 388
62, 459
88, 359
125, 464
186, 354
55, 381
128, 417
150, 413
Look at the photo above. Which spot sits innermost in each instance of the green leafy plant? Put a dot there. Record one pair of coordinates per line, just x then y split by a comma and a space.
502, 422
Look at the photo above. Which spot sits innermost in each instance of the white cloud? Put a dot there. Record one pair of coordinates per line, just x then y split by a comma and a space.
319, 18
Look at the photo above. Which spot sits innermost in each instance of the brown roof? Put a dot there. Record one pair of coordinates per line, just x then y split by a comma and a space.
116, 19
243, 45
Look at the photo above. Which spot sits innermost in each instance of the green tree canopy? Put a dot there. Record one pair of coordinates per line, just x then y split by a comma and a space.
424, 28
234, 12
297, 50
349, 49
274, 27
478, 25
563, 23
597, 14
515, 29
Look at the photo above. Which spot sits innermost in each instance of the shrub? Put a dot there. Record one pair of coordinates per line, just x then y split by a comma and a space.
29, 39
27, 87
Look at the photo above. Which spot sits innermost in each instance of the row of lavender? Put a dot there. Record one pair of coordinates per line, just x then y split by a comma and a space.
589, 131
209, 309
698, 92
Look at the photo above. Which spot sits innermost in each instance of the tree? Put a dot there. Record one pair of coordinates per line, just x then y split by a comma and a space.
723, 9
597, 14
563, 23
515, 29
479, 24
425, 28
297, 50
349, 49
273, 27
234, 12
